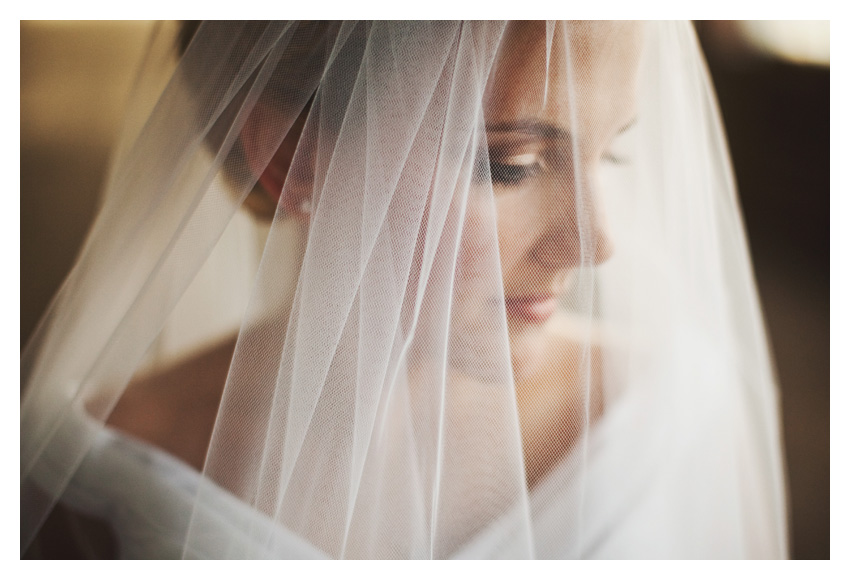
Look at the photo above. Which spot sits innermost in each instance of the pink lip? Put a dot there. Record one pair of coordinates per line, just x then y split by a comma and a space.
535, 309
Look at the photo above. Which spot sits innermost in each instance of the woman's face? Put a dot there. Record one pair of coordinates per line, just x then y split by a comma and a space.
544, 159
549, 129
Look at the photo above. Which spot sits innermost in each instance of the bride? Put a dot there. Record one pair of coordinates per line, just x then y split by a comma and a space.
417, 290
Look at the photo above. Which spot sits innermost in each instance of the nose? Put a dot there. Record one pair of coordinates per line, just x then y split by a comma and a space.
574, 233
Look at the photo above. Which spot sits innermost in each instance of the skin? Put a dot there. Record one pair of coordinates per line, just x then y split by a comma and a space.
546, 133
538, 155
539, 223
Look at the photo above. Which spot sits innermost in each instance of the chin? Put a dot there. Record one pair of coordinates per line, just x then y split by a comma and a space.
527, 349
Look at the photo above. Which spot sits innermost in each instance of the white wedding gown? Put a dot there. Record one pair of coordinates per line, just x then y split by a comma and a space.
371, 404
641, 496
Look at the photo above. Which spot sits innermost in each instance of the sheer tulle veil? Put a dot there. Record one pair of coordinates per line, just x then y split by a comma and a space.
484, 288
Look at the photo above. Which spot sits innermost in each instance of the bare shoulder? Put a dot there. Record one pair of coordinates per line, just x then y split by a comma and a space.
175, 407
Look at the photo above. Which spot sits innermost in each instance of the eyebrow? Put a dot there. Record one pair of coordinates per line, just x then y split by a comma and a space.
534, 127
541, 129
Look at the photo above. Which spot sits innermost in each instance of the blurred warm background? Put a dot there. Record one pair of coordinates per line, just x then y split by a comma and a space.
772, 81
75, 78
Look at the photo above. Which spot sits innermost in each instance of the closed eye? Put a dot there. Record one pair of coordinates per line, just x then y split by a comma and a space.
617, 152
513, 171
615, 159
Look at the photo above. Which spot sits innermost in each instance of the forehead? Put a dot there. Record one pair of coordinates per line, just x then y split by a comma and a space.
589, 67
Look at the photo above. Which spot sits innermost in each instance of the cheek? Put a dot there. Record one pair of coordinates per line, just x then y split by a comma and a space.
516, 230
476, 261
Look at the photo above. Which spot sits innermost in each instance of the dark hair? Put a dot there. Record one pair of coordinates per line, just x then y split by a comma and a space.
188, 28
307, 38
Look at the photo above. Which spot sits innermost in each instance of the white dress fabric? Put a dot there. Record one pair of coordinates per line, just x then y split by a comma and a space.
503, 309
147, 497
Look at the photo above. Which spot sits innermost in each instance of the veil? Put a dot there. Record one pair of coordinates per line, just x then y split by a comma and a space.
414, 290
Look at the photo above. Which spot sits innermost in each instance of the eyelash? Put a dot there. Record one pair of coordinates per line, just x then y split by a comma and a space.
508, 170
615, 159
516, 174
512, 175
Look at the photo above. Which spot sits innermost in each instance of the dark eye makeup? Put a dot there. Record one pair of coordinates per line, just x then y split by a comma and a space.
516, 164
513, 170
